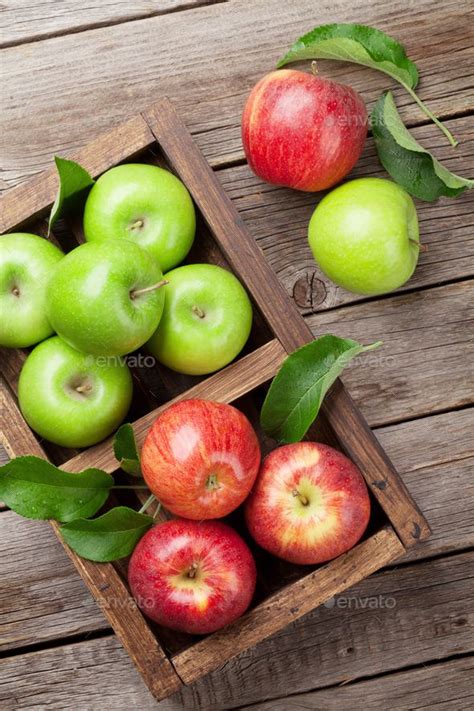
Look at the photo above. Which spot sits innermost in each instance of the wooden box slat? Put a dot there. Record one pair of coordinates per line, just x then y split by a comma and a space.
226, 241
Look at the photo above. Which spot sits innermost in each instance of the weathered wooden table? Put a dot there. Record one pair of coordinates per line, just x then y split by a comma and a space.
404, 638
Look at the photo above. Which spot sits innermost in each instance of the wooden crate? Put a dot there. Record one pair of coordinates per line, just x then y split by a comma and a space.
167, 660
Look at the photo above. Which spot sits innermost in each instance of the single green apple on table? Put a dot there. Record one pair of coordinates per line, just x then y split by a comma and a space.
364, 236
26, 263
71, 398
105, 298
206, 320
146, 204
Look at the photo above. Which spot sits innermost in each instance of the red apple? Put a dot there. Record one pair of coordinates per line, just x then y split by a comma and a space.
201, 458
193, 577
303, 131
309, 505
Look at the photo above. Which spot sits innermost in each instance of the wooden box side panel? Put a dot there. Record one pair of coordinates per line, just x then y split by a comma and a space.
288, 604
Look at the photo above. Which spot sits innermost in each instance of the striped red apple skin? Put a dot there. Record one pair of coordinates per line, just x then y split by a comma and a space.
201, 458
192, 576
302, 131
310, 503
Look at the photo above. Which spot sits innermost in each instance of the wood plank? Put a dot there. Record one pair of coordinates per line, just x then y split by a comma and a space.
225, 386
104, 79
426, 363
432, 619
278, 219
447, 685
434, 455
288, 604
412, 615
23, 21
42, 597
339, 416
28, 200
103, 580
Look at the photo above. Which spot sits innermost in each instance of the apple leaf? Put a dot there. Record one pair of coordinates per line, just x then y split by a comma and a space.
362, 45
125, 450
74, 182
36, 489
408, 163
109, 537
298, 389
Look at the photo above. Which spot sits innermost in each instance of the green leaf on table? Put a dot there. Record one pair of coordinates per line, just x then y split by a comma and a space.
125, 450
109, 537
298, 389
408, 163
355, 43
34, 488
74, 182
362, 45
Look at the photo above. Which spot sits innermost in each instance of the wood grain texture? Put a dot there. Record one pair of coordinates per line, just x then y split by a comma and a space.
23, 21
426, 363
102, 579
331, 645
435, 456
288, 604
225, 386
403, 616
278, 219
227, 47
443, 686
29, 200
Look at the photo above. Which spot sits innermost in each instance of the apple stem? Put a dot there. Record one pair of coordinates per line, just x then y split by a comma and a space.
15, 291
314, 67
138, 292
147, 503
192, 570
84, 388
199, 312
421, 247
212, 482
158, 509
302, 498
138, 224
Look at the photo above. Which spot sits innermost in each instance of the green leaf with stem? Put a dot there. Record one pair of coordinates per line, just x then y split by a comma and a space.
125, 450
34, 488
109, 537
298, 389
408, 163
363, 45
74, 183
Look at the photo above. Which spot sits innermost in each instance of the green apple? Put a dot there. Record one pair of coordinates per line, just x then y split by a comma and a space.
26, 262
144, 203
71, 398
206, 320
105, 298
364, 236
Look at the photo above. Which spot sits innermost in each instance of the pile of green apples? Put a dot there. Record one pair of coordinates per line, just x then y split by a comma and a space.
118, 291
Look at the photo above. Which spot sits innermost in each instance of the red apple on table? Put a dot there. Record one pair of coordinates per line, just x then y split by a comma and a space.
310, 503
193, 577
201, 458
302, 131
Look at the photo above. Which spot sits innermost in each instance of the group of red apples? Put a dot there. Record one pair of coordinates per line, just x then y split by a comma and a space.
305, 503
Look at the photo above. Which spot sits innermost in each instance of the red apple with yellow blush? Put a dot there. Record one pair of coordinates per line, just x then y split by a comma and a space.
310, 503
303, 131
192, 576
201, 458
